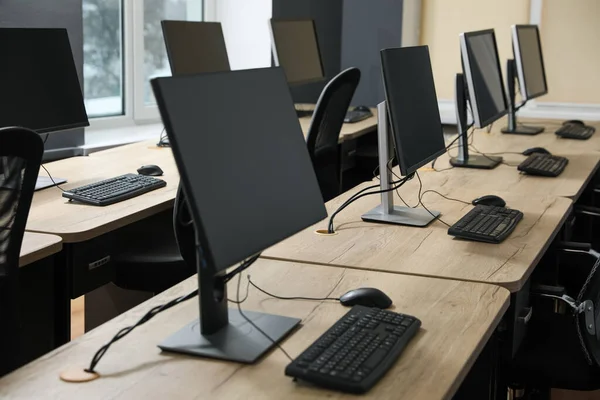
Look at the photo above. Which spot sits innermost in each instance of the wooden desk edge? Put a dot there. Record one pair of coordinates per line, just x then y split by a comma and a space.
89, 234
41, 253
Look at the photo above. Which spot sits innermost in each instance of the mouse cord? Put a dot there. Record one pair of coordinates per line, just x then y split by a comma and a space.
436, 217
292, 297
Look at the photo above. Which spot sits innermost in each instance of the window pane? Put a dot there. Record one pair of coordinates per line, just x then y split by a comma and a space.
103, 57
156, 62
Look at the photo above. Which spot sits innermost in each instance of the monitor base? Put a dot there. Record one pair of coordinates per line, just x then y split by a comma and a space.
239, 341
524, 130
481, 162
44, 182
401, 216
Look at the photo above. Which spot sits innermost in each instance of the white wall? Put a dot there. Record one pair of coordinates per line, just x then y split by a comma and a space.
246, 30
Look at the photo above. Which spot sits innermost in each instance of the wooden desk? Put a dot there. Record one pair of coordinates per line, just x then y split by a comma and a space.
457, 320
52, 213
37, 246
430, 251
349, 131
581, 169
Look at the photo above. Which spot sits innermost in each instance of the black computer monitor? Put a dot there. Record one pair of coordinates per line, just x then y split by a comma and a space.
412, 107
39, 87
529, 61
195, 47
528, 68
296, 49
414, 118
481, 85
481, 67
249, 182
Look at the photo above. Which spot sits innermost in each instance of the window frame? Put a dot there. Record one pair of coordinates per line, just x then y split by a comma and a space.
135, 111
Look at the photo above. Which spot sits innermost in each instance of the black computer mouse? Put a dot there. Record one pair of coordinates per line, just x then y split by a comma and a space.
489, 200
532, 150
368, 297
574, 122
150, 170
362, 108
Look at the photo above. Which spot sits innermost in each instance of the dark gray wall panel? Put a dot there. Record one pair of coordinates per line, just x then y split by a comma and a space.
369, 26
50, 14
328, 19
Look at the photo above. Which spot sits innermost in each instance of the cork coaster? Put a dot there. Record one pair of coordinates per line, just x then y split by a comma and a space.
78, 375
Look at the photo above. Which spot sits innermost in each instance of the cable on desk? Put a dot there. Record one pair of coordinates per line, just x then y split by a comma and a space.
239, 307
361, 194
158, 309
486, 155
163, 140
427, 209
444, 196
46, 169
292, 297
125, 331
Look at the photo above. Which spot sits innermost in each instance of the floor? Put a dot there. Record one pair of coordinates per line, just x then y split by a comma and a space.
77, 317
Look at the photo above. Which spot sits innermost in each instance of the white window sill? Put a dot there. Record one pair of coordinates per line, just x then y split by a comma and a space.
100, 139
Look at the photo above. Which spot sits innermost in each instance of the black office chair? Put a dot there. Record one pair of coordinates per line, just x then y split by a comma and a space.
325, 127
21, 152
562, 349
156, 257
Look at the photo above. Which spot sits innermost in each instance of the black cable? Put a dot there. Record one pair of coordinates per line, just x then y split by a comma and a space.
45, 169
292, 297
444, 196
427, 209
163, 140
239, 307
125, 331
449, 147
245, 297
358, 196
158, 309
244, 265
351, 199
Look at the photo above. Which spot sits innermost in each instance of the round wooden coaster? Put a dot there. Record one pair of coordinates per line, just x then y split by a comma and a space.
78, 375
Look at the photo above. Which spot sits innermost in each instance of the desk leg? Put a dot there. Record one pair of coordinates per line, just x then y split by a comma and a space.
62, 298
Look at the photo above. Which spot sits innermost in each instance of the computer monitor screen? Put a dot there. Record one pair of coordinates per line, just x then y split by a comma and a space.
296, 50
39, 87
195, 47
483, 75
249, 178
412, 106
529, 61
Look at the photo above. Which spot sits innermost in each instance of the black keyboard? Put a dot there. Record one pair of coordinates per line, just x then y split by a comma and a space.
486, 224
576, 131
357, 351
543, 165
113, 190
356, 116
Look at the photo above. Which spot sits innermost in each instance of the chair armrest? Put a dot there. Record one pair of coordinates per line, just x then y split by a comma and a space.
539, 289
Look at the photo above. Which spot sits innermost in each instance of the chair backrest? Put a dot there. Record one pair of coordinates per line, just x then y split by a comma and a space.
325, 127
590, 291
21, 152
183, 226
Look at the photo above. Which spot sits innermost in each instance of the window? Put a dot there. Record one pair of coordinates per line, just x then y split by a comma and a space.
123, 50
103, 57
155, 56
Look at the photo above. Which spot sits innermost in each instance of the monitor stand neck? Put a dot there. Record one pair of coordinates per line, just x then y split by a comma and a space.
224, 333
513, 127
464, 159
386, 212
